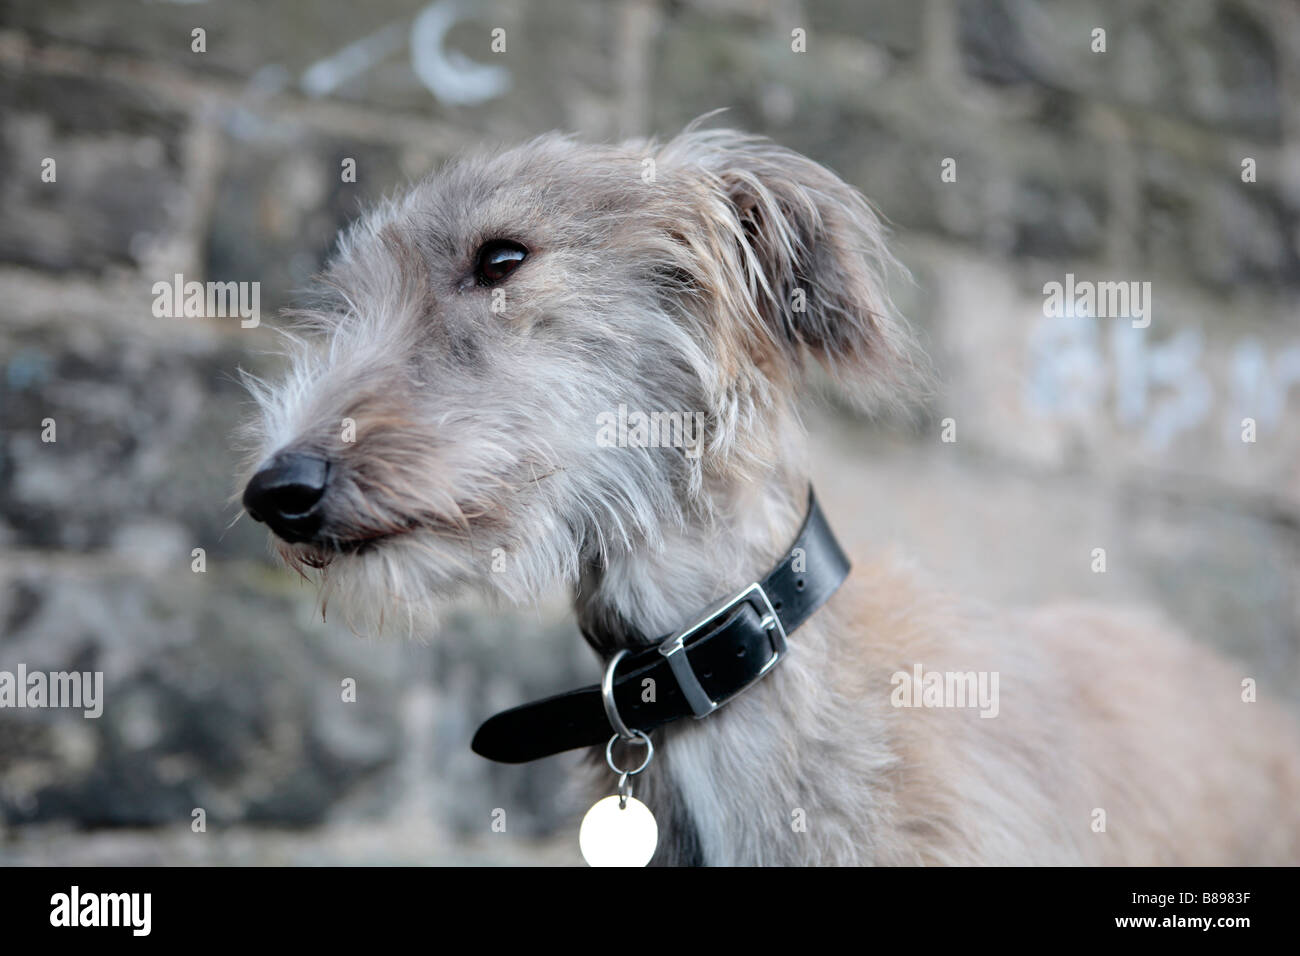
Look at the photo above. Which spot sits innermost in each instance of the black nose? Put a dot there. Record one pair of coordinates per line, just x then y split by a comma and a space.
287, 493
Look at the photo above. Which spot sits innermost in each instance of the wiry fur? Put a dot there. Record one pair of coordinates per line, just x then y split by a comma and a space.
476, 440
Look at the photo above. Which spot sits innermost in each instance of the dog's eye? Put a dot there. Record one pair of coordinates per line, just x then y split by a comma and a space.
497, 259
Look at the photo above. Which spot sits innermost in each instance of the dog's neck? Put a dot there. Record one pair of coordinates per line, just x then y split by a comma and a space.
640, 597
634, 597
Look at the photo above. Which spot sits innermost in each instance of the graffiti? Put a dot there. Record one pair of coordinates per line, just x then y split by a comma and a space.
1081, 367
448, 74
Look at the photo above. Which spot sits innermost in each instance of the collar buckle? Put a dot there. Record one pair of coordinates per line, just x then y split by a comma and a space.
674, 648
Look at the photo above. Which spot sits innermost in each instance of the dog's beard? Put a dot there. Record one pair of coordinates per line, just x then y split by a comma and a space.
380, 587
400, 584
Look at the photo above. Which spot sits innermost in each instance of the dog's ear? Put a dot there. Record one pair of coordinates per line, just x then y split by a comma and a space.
805, 256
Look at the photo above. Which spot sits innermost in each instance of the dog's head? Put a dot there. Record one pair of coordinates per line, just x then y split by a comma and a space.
540, 355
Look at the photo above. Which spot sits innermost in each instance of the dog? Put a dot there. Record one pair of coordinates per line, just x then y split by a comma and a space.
436, 433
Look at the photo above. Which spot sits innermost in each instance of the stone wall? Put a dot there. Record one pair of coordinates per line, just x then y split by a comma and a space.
1008, 151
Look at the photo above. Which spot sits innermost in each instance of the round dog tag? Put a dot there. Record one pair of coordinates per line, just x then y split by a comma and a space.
614, 836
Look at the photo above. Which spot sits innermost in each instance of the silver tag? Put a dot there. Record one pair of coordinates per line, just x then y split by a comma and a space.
618, 836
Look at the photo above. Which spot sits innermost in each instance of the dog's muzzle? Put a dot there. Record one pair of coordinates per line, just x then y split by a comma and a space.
287, 494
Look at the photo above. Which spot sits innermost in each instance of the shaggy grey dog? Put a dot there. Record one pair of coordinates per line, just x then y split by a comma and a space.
439, 435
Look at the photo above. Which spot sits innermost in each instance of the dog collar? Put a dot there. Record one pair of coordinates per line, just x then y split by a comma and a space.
695, 670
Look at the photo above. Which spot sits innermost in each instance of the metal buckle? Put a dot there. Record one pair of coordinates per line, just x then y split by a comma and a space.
674, 647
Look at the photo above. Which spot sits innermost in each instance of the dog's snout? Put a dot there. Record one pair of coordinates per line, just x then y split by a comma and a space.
287, 494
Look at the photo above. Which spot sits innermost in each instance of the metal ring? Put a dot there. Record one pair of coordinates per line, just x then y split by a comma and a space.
649, 753
607, 698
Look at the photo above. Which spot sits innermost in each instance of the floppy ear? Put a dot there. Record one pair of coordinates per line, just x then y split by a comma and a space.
807, 261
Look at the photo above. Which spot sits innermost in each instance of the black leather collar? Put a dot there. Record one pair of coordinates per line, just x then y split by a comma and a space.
695, 670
